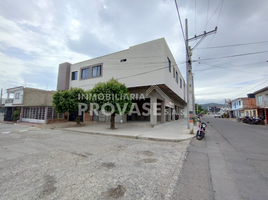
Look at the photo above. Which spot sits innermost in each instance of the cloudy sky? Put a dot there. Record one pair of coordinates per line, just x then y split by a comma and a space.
35, 36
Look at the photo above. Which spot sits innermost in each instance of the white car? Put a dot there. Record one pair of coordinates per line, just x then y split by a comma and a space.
217, 115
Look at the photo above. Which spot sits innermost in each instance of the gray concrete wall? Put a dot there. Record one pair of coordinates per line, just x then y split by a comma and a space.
64, 76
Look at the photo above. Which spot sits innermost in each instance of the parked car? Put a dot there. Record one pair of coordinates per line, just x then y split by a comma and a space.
217, 115
200, 115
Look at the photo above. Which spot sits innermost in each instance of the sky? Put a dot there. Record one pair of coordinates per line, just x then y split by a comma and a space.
36, 36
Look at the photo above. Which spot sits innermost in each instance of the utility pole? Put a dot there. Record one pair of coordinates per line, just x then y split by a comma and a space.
1, 97
189, 75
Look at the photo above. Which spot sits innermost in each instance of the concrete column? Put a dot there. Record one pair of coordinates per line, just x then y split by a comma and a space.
173, 113
45, 117
169, 114
163, 117
153, 111
21, 113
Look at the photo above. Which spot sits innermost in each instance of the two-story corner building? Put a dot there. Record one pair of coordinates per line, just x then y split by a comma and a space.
242, 107
262, 102
35, 105
139, 67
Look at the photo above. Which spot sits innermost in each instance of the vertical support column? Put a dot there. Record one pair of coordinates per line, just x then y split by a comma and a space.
163, 116
45, 117
21, 113
173, 113
153, 110
169, 114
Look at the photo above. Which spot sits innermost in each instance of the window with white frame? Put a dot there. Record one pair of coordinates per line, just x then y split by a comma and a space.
259, 100
17, 95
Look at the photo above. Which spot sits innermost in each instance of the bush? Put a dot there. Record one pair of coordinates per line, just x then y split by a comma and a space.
16, 114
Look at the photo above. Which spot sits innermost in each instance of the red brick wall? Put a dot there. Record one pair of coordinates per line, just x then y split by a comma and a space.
250, 103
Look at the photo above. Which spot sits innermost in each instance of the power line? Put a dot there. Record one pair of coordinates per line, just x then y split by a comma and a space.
220, 12
266, 79
231, 56
182, 30
229, 68
207, 15
233, 45
212, 16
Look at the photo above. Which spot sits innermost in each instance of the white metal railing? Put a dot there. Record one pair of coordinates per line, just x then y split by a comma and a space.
9, 100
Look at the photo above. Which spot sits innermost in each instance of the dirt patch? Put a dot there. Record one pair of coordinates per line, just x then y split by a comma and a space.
48, 187
79, 154
108, 165
146, 153
115, 193
150, 160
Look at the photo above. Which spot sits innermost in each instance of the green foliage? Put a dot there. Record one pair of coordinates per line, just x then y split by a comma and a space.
112, 88
16, 114
199, 110
68, 100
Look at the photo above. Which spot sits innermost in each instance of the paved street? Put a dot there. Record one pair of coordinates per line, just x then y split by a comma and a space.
230, 163
57, 164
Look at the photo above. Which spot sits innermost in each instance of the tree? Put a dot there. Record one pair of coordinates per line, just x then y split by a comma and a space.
198, 108
112, 97
16, 114
68, 101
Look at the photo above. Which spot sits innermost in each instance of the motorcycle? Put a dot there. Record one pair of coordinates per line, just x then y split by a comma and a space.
247, 120
257, 121
200, 134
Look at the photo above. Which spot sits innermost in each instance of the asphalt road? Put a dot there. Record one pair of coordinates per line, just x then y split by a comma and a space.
230, 163
57, 164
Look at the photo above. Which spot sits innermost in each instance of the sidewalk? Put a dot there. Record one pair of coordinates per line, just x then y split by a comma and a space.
174, 131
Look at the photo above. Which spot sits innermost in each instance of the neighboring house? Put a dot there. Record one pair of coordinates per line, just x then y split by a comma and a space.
242, 107
138, 67
262, 102
35, 105
214, 109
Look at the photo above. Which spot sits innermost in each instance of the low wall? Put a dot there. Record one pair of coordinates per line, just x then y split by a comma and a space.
2, 117
38, 121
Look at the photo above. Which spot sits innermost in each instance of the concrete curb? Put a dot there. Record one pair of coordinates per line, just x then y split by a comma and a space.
132, 136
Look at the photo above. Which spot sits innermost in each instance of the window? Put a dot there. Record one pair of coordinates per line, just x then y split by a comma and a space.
259, 100
74, 75
169, 65
177, 77
85, 73
180, 83
17, 95
96, 71
173, 72
123, 60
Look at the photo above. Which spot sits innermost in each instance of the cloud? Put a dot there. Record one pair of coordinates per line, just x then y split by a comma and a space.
35, 36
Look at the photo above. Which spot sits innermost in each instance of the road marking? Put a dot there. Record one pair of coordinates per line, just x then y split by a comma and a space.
23, 130
5, 132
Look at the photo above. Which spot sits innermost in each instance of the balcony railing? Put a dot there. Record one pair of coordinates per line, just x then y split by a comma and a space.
9, 101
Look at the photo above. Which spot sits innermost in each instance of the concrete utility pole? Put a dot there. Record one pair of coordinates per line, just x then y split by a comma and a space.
1, 97
189, 75
189, 79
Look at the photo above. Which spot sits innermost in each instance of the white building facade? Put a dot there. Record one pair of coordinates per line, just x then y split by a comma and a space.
138, 67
